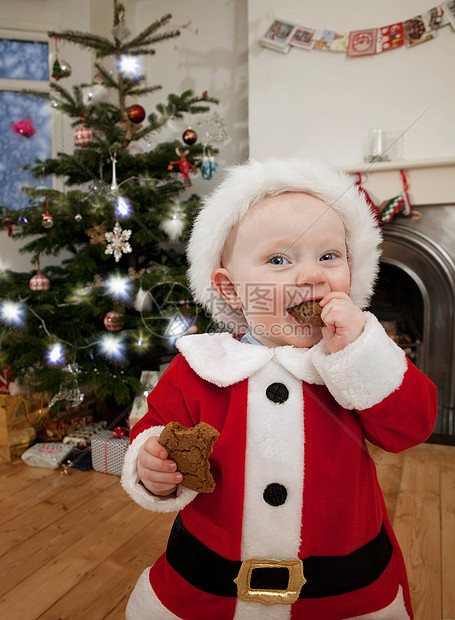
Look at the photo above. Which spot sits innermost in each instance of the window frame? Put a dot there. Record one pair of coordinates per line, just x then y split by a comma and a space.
17, 85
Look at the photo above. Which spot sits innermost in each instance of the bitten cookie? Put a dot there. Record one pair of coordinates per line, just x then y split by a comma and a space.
190, 449
307, 313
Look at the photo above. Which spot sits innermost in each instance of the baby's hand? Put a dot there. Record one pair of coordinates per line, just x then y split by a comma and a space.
344, 322
157, 473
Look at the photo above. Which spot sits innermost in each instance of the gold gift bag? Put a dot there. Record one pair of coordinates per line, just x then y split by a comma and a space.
18, 415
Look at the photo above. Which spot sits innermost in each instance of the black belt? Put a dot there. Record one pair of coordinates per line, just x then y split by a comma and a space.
324, 575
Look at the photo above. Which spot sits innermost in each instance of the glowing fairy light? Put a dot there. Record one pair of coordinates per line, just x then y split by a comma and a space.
112, 347
130, 67
12, 312
123, 207
56, 354
119, 287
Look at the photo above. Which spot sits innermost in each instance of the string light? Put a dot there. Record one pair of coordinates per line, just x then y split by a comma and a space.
12, 312
119, 287
112, 347
123, 207
130, 66
55, 354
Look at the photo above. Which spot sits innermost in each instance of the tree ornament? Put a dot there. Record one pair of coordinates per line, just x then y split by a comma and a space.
47, 221
208, 167
189, 136
114, 185
184, 166
24, 128
143, 301
65, 69
120, 31
97, 234
56, 69
78, 217
83, 136
175, 225
114, 321
39, 282
136, 113
117, 242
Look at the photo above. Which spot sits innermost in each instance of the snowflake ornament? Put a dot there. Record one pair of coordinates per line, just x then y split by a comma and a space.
117, 242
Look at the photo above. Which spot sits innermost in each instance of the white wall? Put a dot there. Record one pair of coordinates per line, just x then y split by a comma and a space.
313, 102
210, 54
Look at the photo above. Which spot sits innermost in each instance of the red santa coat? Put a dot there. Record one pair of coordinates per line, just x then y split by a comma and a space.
333, 502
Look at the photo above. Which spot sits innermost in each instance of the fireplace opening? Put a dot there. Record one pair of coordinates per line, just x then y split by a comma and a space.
398, 304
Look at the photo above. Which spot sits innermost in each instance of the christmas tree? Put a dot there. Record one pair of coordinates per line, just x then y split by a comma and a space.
116, 301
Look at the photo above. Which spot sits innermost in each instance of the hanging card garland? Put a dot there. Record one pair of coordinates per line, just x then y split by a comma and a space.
281, 35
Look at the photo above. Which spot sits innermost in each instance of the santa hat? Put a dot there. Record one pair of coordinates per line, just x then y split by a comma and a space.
247, 184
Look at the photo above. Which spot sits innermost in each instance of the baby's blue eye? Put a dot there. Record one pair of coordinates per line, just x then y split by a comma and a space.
279, 260
328, 256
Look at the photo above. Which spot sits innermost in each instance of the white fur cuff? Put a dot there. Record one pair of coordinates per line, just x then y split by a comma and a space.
366, 371
130, 480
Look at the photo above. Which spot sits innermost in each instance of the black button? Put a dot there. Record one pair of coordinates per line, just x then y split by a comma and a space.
275, 494
277, 392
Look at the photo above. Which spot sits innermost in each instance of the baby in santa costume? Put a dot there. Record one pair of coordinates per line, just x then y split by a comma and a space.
296, 526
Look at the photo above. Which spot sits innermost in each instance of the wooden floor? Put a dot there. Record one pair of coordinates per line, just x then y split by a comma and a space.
72, 546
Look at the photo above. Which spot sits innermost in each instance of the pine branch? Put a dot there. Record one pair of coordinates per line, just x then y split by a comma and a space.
103, 46
142, 36
108, 80
137, 92
136, 51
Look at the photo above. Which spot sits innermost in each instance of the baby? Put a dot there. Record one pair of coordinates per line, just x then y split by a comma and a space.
296, 525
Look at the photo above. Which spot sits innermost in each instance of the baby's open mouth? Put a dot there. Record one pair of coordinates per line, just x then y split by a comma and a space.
307, 313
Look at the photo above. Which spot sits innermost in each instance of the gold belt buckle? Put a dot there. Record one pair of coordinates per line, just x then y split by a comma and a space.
270, 597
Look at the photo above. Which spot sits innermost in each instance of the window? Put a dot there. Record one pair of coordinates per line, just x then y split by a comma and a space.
24, 64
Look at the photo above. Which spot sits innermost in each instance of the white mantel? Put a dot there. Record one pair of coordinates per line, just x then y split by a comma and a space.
431, 181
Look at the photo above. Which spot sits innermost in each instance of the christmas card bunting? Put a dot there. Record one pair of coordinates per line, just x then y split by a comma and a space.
304, 38
324, 39
282, 35
390, 37
416, 30
448, 13
278, 36
340, 42
362, 42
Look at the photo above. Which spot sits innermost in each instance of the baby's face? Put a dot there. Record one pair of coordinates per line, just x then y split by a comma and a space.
287, 249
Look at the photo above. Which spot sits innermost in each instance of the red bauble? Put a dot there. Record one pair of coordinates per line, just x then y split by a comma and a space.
39, 283
83, 136
114, 321
189, 136
136, 113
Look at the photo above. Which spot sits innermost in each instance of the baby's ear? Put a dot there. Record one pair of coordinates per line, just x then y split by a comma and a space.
223, 283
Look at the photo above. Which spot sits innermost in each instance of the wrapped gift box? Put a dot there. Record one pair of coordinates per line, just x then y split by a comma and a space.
108, 452
81, 437
18, 417
49, 455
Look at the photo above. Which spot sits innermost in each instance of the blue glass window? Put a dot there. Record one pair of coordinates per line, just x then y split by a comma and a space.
24, 60
17, 150
20, 62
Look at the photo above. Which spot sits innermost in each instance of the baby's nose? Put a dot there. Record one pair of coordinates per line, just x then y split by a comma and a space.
309, 274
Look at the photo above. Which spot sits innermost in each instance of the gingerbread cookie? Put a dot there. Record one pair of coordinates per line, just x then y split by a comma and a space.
190, 449
307, 313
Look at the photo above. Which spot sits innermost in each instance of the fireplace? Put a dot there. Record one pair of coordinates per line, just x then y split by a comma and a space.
415, 300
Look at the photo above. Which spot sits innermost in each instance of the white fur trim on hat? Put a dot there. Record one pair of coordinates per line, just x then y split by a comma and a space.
247, 184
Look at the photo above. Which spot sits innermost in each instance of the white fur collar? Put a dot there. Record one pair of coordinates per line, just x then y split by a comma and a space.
223, 360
